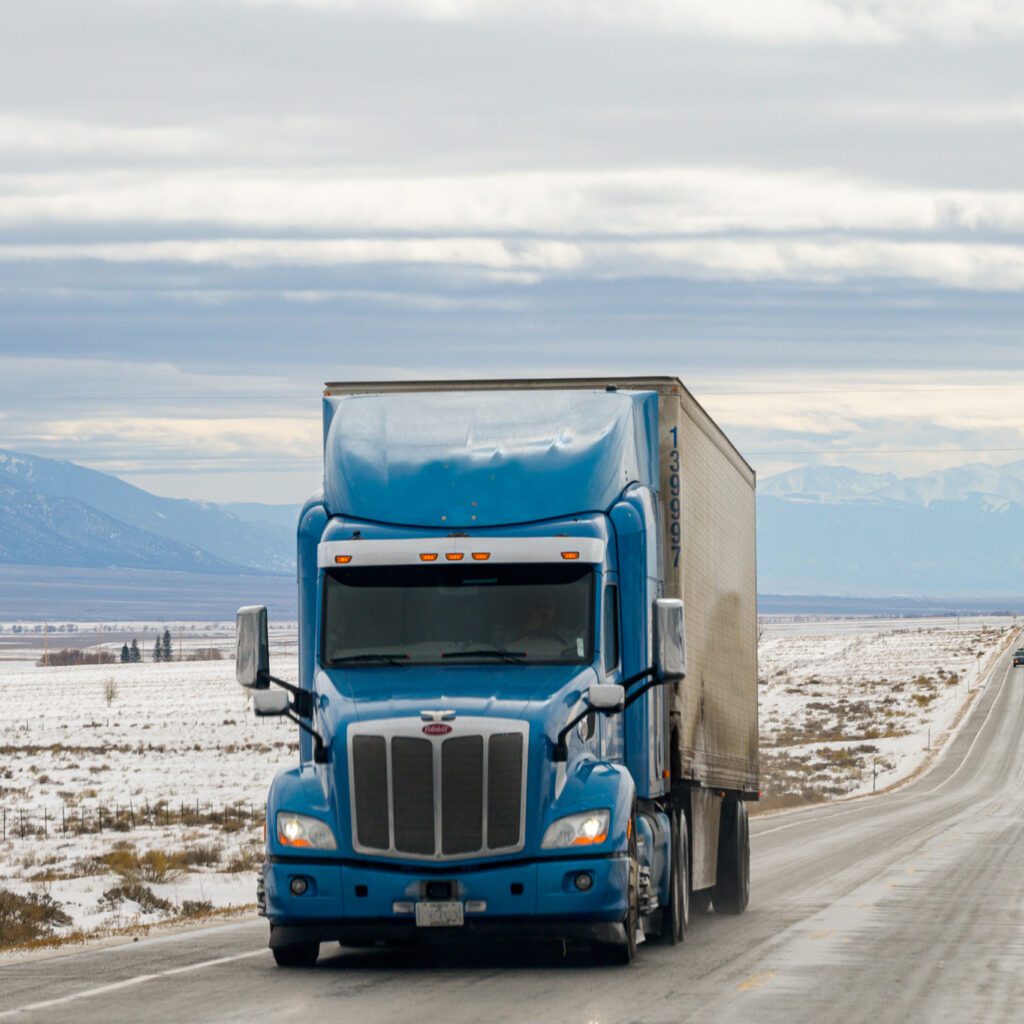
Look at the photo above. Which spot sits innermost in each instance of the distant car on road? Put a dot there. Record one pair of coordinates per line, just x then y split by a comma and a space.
1018, 657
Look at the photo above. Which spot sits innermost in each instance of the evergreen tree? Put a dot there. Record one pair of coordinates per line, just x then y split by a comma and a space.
168, 654
125, 654
134, 654
158, 652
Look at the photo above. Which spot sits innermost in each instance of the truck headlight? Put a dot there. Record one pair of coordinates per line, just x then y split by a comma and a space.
302, 831
584, 829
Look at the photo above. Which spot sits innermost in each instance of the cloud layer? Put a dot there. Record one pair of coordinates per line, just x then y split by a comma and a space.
208, 208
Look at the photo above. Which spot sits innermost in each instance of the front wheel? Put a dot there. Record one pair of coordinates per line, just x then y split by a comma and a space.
732, 886
302, 954
624, 953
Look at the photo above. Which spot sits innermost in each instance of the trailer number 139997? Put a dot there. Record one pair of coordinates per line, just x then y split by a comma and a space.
675, 529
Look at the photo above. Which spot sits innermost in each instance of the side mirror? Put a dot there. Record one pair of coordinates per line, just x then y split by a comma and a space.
669, 640
252, 650
270, 703
606, 697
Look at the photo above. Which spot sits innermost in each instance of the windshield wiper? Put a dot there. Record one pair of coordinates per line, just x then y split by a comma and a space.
515, 657
391, 659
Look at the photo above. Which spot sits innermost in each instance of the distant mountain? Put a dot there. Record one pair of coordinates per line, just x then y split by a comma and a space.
838, 483
37, 529
171, 533
832, 530
825, 483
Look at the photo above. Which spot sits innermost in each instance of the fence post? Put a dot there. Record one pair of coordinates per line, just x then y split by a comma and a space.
131, 814
5, 824
101, 817
63, 822
46, 824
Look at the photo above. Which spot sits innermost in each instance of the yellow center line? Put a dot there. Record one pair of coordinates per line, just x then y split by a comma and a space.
758, 980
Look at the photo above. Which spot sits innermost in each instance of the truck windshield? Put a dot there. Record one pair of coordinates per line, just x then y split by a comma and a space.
455, 614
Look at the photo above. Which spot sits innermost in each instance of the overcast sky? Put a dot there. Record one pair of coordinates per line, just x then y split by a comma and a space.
810, 210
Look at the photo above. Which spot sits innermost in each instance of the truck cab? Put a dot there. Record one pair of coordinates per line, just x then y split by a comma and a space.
488, 665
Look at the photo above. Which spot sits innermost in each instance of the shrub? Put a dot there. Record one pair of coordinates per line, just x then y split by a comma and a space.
75, 656
205, 654
248, 858
199, 856
25, 919
134, 892
195, 908
152, 866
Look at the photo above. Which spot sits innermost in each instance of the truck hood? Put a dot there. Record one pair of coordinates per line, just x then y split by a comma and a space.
542, 694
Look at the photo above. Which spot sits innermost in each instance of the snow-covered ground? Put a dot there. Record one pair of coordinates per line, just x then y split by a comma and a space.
169, 754
848, 706
173, 757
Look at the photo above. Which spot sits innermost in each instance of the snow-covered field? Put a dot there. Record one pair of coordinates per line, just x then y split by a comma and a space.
172, 758
849, 706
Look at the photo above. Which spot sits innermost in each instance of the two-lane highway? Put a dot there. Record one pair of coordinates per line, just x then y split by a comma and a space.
903, 907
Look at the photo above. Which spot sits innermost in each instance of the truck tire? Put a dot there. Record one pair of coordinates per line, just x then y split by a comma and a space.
302, 954
732, 887
675, 918
623, 953
700, 901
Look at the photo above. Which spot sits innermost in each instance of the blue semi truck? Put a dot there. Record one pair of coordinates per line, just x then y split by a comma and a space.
527, 686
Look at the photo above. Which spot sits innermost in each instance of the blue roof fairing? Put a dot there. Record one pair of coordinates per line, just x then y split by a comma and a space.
476, 459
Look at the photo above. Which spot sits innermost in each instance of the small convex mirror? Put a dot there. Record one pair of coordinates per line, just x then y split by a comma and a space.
266, 703
606, 697
252, 650
669, 639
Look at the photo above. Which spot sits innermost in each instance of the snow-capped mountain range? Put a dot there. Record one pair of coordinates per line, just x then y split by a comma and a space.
821, 530
59, 513
834, 530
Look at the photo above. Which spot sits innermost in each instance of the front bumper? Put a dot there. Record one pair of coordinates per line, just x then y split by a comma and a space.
354, 903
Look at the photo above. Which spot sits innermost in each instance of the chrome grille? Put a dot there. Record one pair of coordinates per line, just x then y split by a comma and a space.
437, 797
370, 764
462, 773
412, 794
504, 793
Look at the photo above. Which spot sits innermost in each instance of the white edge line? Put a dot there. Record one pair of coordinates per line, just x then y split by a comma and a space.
127, 983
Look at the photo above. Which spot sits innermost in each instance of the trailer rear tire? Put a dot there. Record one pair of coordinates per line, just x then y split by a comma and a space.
302, 954
732, 887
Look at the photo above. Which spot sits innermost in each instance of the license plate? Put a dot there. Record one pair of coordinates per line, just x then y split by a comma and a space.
438, 914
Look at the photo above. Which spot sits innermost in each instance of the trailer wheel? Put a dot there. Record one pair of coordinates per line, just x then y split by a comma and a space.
623, 953
732, 888
302, 954
675, 918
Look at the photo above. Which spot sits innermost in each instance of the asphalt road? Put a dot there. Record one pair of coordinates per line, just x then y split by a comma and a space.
902, 907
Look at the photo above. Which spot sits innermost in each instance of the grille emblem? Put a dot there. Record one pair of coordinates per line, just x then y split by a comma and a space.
437, 716
437, 729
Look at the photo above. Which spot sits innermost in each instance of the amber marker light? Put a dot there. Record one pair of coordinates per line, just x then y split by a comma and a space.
570, 556
455, 556
430, 556
481, 556
342, 559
